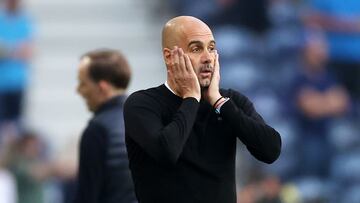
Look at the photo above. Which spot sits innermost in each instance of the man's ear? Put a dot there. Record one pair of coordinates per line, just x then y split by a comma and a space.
104, 86
167, 56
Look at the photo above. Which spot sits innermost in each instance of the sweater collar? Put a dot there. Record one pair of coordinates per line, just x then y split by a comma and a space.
168, 86
169, 93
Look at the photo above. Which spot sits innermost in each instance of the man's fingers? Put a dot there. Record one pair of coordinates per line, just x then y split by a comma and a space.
172, 58
217, 65
216, 74
176, 58
182, 61
188, 63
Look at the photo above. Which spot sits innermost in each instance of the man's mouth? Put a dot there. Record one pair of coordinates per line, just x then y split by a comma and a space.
206, 73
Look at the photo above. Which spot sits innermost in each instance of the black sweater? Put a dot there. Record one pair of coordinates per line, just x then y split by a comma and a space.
104, 176
181, 151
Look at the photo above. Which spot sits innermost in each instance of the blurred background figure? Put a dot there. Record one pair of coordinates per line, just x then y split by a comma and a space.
261, 188
318, 99
30, 168
103, 175
15, 55
8, 190
341, 23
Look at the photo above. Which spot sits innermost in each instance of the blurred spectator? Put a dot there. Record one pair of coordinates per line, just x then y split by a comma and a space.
29, 168
15, 53
66, 166
7, 187
8, 192
341, 21
318, 98
261, 189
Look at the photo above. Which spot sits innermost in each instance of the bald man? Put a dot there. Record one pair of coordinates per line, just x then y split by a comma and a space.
181, 136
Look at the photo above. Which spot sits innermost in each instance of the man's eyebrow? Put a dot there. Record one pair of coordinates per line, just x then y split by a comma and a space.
194, 42
199, 42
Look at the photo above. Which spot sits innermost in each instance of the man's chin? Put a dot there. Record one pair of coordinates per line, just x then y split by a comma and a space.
205, 82
204, 85
90, 108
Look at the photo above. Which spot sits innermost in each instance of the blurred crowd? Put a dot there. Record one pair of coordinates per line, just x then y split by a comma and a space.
298, 60
27, 174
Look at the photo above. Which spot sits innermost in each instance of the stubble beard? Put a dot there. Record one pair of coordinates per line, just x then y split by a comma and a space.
205, 82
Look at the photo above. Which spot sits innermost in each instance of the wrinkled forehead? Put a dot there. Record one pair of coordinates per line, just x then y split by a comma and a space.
195, 31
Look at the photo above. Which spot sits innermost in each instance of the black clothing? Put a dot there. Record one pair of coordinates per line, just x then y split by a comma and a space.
11, 106
250, 14
181, 151
348, 74
104, 176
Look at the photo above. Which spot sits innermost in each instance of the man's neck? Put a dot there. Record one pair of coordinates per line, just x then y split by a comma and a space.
117, 92
110, 95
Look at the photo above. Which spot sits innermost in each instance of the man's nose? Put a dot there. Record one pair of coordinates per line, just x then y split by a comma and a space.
206, 57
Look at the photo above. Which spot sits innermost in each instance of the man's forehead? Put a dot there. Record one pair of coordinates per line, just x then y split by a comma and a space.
198, 38
196, 31
185, 29
195, 28
199, 34
85, 61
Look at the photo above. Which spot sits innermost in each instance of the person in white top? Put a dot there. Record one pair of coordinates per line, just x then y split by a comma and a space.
8, 192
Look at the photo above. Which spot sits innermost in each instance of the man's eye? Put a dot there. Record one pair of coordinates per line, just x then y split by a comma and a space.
196, 49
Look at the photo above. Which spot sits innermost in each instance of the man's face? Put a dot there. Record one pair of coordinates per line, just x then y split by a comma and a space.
198, 42
87, 88
316, 54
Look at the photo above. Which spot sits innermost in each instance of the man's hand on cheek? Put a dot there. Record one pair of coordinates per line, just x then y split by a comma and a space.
182, 75
212, 93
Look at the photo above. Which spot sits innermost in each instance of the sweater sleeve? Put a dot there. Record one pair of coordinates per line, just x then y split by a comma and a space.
91, 164
144, 125
262, 141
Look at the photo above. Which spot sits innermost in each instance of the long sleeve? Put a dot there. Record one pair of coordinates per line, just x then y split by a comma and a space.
262, 141
91, 166
144, 125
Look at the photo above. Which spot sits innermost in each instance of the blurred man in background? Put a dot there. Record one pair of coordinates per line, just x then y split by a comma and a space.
15, 54
318, 99
104, 176
341, 22
30, 168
